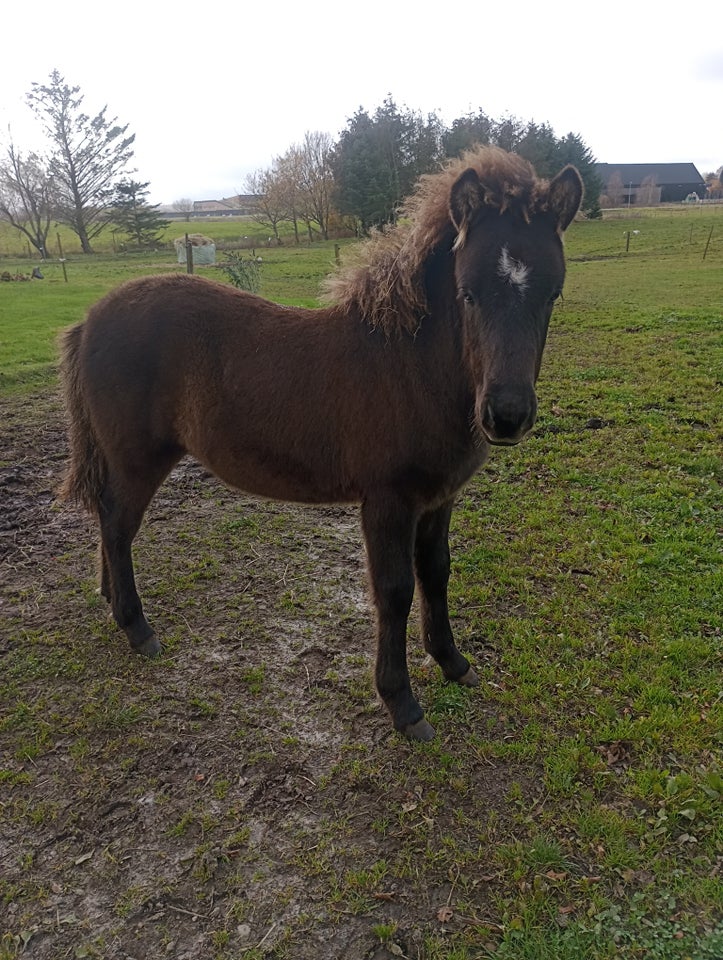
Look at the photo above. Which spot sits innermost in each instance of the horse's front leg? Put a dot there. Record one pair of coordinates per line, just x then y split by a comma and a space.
431, 565
389, 524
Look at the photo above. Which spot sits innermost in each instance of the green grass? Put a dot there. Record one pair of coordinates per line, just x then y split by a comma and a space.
236, 231
570, 808
34, 313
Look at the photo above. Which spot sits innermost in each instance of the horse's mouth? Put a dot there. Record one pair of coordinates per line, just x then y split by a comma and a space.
506, 441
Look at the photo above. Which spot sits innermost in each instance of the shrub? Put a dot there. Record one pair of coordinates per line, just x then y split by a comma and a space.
242, 273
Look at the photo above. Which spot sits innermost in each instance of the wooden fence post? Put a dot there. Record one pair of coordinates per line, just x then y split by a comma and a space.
62, 258
707, 243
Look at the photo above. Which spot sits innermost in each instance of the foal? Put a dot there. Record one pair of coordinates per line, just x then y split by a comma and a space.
389, 398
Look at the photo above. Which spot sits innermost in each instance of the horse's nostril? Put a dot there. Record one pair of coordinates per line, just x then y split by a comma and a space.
488, 418
506, 422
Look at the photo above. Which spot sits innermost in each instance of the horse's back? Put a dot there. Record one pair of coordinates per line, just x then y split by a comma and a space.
165, 315
243, 384
151, 335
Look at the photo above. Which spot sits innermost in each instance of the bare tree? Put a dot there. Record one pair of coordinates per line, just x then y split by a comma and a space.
714, 184
649, 192
615, 190
271, 206
316, 179
89, 155
288, 175
26, 196
297, 187
184, 206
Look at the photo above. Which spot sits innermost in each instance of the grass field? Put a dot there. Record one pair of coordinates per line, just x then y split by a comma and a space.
570, 808
223, 230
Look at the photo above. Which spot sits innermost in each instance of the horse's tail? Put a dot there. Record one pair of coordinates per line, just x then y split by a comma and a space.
87, 470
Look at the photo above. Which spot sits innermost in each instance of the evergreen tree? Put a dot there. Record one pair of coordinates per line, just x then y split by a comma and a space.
539, 145
465, 132
573, 149
356, 164
138, 219
535, 142
378, 158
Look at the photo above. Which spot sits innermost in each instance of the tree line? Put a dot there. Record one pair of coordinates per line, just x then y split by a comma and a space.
363, 177
358, 181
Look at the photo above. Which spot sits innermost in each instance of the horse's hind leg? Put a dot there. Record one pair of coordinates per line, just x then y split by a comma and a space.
122, 506
103, 573
431, 564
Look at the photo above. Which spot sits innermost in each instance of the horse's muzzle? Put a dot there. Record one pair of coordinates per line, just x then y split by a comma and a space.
506, 417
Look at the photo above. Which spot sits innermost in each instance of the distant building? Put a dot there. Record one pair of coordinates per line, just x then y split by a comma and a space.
649, 183
240, 205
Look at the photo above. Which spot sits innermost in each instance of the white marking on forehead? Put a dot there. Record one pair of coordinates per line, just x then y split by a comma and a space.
513, 271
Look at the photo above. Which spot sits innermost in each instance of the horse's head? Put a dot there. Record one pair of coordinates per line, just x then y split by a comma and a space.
509, 271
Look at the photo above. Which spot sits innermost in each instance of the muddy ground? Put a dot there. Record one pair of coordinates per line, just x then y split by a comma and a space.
244, 795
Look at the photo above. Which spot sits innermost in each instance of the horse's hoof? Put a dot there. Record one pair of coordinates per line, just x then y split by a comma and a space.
421, 730
469, 679
150, 647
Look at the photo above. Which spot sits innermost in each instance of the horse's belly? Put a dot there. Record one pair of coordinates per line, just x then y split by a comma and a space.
280, 479
325, 468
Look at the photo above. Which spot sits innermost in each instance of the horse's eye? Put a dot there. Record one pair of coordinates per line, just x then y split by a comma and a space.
556, 295
467, 296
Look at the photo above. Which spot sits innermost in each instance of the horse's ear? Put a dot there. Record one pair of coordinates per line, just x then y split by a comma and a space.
565, 196
466, 196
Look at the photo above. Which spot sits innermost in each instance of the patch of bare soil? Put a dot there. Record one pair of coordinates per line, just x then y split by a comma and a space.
242, 796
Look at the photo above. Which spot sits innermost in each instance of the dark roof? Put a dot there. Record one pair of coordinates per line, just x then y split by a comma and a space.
664, 173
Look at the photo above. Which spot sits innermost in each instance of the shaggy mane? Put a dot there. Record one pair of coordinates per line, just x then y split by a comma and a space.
384, 278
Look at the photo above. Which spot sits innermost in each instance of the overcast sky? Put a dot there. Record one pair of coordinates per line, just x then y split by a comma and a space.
215, 89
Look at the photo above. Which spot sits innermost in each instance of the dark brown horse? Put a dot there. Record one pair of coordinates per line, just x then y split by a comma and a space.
390, 397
